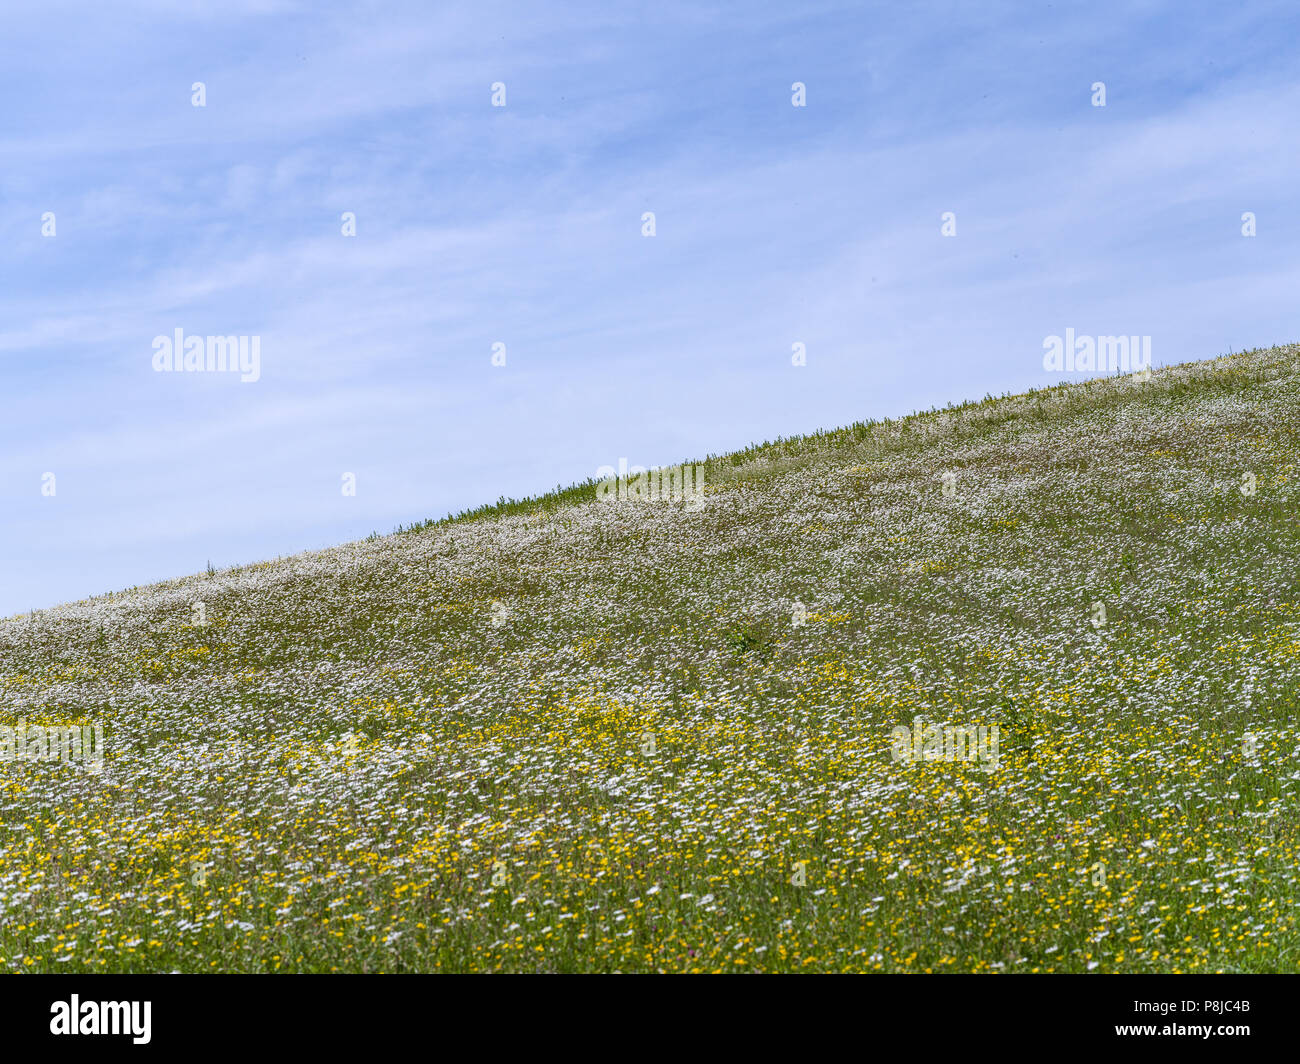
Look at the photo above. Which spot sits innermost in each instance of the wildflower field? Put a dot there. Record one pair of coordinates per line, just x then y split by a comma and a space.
570, 735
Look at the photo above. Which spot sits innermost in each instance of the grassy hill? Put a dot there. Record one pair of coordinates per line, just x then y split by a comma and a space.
572, 735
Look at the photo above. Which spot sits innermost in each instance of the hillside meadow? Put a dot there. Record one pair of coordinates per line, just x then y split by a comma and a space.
579, 734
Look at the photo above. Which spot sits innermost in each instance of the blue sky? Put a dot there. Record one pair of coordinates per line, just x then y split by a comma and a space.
522, 225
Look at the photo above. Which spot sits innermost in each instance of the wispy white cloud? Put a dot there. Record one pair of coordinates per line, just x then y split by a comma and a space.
522, 225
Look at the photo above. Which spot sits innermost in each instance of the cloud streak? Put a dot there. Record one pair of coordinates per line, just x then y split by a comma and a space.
475, 225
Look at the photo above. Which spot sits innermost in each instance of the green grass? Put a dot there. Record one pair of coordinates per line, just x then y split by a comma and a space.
555, 734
